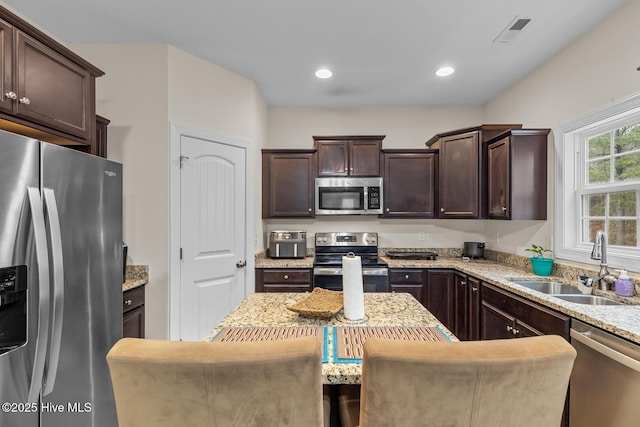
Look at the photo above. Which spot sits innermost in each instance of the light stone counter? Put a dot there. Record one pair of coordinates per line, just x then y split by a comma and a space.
135, 276
621, 320
262, 262
381, 309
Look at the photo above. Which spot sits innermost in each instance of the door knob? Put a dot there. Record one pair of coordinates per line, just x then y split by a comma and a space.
241, 264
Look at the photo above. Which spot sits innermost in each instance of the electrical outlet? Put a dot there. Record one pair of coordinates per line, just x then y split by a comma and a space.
422, 235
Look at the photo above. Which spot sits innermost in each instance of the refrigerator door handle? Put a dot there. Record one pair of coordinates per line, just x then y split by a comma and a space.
40, 238
53, 221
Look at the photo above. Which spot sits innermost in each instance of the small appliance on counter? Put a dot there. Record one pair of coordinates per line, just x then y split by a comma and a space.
288, 244
473, 250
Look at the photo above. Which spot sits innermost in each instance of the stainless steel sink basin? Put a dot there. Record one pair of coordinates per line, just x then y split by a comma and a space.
549, 287
588, 299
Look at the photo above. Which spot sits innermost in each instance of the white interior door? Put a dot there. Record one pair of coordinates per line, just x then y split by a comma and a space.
212, 233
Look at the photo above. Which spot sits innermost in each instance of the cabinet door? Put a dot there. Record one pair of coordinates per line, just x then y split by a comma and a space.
409, 184
364, 158
439, 293
461, 306
473, 286
6, 67
287, 184
133, 323
101, 136
459, 176
283, 280
52, 90
495, 323
498, 197
333, 158
410, 280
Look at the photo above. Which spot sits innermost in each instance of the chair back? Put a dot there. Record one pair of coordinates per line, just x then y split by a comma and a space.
178, 383
517, 382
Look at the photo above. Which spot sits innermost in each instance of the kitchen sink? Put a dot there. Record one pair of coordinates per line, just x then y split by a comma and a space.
549, 287
588, 299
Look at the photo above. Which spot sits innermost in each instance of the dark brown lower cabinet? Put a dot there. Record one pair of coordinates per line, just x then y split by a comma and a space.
439, 296
409, 280
474, 287
506, 315
133, 313
284, 280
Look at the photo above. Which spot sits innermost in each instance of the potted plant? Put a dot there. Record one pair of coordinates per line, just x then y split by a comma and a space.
541, 266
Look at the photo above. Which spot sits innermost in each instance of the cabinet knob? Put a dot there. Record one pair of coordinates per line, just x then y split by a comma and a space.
24, 100
286, 276
441, 209
474, 289
504, 209
509, 328
11, 95
128, 302
387, 209
310, 209
463, 282
406, 276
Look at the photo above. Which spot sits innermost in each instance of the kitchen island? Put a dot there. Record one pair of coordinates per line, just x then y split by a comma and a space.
381, 309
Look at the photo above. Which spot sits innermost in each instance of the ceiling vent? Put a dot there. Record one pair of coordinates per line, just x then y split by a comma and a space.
512, 30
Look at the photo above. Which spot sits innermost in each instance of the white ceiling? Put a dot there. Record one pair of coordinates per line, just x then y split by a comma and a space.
382, 52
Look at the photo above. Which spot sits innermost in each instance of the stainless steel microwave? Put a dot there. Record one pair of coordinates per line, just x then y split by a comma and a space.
348, 196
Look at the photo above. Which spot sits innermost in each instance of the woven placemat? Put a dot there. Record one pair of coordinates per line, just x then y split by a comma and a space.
348, 340
321, 303
269, 333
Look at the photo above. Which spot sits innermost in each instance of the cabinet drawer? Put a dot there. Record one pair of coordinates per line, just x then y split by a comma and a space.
406, 275
540, 318
132, 298
286, 276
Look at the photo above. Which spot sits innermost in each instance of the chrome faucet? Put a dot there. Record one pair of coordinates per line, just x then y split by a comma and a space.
605, 279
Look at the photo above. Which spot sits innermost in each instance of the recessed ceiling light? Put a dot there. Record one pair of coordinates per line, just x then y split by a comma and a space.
323, 73
444, 71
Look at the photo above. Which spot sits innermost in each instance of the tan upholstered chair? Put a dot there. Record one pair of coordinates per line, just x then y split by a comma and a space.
511, 383
173, 383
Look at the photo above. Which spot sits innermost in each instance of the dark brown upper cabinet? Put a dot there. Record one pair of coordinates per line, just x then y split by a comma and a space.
288, 183
348, 155
462, 178
517, 175
410, 183
48, 92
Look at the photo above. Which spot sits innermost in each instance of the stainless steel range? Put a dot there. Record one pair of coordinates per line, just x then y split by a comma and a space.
327, 265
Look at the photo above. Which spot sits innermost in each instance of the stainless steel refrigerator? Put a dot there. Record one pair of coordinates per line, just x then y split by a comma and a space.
60, 284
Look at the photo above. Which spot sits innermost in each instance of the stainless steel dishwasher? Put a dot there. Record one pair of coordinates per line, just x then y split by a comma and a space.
605, 382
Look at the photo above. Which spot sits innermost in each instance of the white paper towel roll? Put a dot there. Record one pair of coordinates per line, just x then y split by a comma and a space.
352, 288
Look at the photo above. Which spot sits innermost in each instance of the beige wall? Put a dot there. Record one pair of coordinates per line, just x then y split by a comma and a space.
597, 69
594, 71
404, 127
146, 88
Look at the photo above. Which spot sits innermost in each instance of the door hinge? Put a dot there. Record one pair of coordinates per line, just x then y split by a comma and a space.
180, 253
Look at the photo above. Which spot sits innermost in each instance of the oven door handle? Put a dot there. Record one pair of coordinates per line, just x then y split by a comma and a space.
337, 271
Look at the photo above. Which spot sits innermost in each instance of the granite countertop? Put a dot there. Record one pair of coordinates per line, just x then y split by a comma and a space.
623, 320
263, 262
381, 309
135, 276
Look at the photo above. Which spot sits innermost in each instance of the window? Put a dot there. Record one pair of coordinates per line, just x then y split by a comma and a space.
598, 172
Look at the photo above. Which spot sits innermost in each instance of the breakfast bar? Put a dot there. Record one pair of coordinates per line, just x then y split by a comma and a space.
381, 310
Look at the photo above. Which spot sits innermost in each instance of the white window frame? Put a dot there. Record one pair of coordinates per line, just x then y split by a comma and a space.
570, 155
